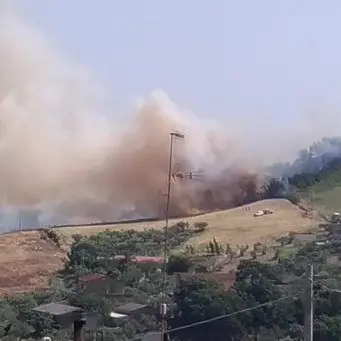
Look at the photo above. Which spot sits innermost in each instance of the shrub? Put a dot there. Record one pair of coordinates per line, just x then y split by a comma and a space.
50, 233
177, 263
182, 225
200, 226
201, 269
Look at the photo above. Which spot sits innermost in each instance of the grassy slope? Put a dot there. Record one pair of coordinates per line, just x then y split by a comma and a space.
234, 226
27, 261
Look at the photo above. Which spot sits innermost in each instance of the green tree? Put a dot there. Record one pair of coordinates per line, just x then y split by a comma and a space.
328, 328
212, 249
198, 300
257, 283
228, 249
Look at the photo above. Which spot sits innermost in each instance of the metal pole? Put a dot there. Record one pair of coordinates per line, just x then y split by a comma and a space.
164, 277
163, 308
309, 314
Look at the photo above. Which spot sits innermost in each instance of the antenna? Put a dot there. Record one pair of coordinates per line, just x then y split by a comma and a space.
192, 175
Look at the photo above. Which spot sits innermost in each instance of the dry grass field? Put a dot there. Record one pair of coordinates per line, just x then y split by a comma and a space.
236, 226
27, 261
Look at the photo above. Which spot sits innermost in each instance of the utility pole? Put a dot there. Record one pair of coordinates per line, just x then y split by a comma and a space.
163, 307
309, 311
177, 175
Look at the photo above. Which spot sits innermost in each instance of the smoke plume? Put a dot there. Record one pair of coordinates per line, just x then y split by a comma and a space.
63, 160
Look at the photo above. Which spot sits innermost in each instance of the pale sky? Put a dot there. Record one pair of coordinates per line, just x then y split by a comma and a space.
220, 58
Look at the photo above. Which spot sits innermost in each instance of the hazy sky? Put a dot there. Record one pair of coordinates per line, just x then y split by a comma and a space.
218, 58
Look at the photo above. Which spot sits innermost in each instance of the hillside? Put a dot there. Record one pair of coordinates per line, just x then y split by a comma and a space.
235, 226
324, 195
28, 261
315, 175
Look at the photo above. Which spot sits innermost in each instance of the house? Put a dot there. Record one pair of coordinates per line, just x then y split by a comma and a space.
132, 310
227, 279
93, 281
148, 263
65, 315
99, 283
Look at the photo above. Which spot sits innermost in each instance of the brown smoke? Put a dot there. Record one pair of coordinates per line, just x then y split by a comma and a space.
134, 172
59, 156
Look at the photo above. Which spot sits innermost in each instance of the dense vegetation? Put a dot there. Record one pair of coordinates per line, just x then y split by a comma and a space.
195, 300
96, 254
259, 283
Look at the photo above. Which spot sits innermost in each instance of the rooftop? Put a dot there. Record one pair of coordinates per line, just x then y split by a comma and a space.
57, 309
129, 308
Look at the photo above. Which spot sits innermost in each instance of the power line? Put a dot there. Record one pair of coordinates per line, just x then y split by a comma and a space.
230, 315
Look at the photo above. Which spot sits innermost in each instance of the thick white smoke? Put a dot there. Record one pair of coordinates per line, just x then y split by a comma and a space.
66, 162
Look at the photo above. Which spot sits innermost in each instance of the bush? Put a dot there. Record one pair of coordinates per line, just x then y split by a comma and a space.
182, 225
50, 233
253, 254
200, 226
178, 264
201, 269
